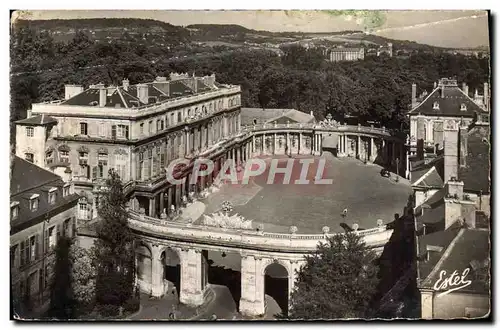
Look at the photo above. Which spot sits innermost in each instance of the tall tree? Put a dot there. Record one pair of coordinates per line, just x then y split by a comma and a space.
114, 247
337, 281
61, 299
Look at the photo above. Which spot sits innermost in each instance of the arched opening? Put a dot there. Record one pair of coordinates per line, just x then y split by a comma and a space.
172, 270
276, 289
224, 268
143, 267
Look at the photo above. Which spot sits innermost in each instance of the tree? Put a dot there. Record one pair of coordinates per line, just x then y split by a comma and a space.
83, 275
61, 299
114, 246
336, 282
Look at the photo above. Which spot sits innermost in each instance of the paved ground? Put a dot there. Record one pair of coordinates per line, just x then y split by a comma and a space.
356, 186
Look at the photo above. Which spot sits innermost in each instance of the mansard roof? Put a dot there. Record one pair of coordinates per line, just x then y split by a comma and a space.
37, 120
161, 90
449, 98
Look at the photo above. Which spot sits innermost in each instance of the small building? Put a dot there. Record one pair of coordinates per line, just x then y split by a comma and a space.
453, 273
259, 116
42, 208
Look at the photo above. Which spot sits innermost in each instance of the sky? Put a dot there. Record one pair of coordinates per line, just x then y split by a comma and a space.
450, 28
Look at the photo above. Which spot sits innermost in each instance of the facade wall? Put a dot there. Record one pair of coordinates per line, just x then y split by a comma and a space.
455, 305
34, 144
31, 280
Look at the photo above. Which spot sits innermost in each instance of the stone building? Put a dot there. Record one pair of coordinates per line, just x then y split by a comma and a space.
345, 54
136, 129
387, 49
42, 208
446, 102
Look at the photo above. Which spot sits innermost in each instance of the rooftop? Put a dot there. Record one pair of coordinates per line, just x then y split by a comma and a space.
462, 249
447, 99
27, 181
37, 120
280, 116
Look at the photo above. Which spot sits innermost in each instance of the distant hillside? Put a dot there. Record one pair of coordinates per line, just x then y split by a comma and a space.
103, 29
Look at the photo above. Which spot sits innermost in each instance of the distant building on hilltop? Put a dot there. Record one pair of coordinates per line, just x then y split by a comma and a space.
385, 50
345, 54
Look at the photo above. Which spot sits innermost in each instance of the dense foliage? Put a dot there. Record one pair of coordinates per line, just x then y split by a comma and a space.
114, 247
376, 88
62, 303
337, 282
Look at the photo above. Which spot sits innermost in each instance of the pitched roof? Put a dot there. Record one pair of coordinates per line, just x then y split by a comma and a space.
37, 120
450, 102
419, 169
28, 180
119, 97
476, 172
431, 178
26, 176
261, 115
470, 248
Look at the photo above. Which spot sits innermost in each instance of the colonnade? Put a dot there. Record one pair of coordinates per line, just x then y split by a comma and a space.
150, 260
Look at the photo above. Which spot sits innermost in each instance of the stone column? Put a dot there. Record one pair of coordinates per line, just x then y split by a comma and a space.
169, 199
372, 150
393, 152
384, 152
253, 144
263, 146
152, 206
157, 287
186, 142
162, 202
275, 143
300, 144
358, 148
191, 292
252, 285
288, 145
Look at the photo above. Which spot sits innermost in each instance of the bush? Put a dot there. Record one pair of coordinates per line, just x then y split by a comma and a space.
108, 310
132, 304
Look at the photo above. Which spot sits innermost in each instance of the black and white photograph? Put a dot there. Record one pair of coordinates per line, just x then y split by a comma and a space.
250, 165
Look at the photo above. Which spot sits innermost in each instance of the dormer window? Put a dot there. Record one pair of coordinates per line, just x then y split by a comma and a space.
34, 202
52, 195
29, 157
436, 106
49, 156
463, 107
14, 210
66, 190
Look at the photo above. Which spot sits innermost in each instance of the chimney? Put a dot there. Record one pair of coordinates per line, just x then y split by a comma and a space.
435, 84
125, 84
486, 96
143, 93
413, 95
103, 94
195, 84
450, 141
442, 91
463, 146
72, 90
453, 205
28, 113
466, 89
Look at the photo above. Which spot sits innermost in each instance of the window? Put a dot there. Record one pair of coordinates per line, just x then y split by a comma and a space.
463, 107
150, 127
49, 157
30, 131
179, 117
436, 106
34, 203
158, 125
83, 210
102, 165
33, 248
66, 228
119, 131
66, 190
29, 157
83, 129
120, 165
102, 131
50, 239
172, 119
141, 128
64, 156
52, 197
84, 158
14, 210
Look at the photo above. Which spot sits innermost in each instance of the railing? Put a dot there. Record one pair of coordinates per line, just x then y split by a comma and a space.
337, 128
372, 237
